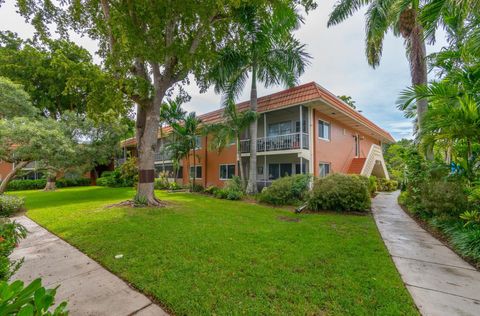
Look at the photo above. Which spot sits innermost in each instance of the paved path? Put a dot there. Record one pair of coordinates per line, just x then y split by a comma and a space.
87, 286
440, 282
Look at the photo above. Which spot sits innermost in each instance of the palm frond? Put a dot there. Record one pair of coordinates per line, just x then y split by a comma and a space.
344, 9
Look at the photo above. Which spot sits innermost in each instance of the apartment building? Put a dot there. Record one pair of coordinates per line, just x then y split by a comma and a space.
305, 129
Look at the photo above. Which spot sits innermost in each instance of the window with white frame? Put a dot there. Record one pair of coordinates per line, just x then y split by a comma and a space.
323, 130
227, 172
324, 169
197, 170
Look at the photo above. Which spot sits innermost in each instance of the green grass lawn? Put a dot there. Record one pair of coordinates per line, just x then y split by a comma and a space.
202, 255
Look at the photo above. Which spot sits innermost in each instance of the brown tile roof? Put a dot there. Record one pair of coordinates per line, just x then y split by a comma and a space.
300, 94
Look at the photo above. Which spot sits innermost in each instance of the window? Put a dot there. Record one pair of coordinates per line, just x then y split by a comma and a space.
304, 126
198, 173
303, 169
324, 169
281, 128
227, 172
278, 170
198, 142
323, 129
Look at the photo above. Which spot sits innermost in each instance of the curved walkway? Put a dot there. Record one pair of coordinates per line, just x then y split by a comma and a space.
440, 282
87, 286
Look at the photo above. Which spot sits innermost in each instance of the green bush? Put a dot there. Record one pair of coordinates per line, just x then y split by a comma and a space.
174, 186
73, 182
33, 299
443, 197
161, 183
197, 188
19, 185
211, 190
340, 192
115, 179
385, 185
10, 235
10, 204
233, 190
285, 191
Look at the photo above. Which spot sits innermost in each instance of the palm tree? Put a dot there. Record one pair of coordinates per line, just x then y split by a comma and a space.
185, 143
269, 54
401, 16
231, 129
170, 112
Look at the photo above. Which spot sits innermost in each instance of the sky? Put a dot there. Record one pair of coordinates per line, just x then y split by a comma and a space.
338, 63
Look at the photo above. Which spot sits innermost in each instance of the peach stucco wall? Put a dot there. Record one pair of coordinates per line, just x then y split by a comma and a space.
340, 150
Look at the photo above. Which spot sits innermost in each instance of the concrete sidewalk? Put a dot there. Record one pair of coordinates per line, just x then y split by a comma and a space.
440, 282
88, 287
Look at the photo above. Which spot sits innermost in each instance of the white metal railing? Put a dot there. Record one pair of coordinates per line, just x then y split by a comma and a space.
277, 142
375, 154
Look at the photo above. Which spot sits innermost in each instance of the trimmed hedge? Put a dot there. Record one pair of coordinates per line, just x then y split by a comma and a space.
20, 185
286, 190
340, 192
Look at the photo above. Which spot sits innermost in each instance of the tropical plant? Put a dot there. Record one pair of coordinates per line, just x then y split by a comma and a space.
171, 112
230, 130
10, 235
186, 135
267, 52
33, 299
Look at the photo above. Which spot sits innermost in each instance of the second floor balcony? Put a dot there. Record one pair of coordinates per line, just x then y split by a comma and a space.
277, 143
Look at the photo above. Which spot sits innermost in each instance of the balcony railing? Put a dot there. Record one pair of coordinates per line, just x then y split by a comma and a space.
278, 142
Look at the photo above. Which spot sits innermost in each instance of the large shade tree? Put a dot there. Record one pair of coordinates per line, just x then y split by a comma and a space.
14, 101
267, 53
59, 76
150, 46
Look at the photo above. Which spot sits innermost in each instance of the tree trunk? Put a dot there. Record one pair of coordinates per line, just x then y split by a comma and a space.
10, 175
418, 71
148, 117
252, 173
50, 185
240, 164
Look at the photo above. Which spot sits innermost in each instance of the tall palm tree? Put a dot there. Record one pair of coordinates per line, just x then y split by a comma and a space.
185, 143
401, 16
170, 112
269, 54
231, 129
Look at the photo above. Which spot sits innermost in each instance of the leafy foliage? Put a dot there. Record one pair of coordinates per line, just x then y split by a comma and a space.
339, 192
385, 185
10, 235
28, 184
14, 101
126, 175
30, 300
10, 204
286, 190
233, 190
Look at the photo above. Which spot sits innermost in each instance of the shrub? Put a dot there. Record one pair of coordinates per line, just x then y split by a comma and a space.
233, 190
161, 183
18, 185
10, 235
116, 179
385, 185
174, 186
443, 197
211, 190
286, 190
140, 201
10, 204
339, 192
72, 182
197, 188
33, 299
